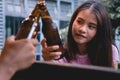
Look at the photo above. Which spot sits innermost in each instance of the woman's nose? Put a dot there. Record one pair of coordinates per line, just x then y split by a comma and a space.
83, 29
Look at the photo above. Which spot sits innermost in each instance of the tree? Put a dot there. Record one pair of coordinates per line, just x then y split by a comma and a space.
113, 7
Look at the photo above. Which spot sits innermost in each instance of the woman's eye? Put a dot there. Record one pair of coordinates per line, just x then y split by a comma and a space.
80, 21
92, 27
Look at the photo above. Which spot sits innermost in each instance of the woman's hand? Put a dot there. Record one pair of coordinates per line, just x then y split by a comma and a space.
49, 52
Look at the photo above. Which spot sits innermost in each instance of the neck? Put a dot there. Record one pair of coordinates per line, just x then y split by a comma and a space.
82, 49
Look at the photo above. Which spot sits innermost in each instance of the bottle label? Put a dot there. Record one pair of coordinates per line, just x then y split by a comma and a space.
45, 16
32, 31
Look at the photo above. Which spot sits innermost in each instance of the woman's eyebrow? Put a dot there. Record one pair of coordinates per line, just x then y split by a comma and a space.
79, 18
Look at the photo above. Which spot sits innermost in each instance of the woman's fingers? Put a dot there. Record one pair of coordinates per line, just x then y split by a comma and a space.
51, 55
43, 43
49, 52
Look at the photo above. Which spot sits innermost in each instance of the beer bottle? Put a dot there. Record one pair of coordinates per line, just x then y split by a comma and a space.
30, 25
49, 28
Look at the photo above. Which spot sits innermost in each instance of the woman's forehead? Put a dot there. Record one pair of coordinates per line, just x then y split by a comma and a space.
87, 14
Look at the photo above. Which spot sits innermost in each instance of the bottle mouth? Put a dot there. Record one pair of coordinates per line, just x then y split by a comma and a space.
41, 5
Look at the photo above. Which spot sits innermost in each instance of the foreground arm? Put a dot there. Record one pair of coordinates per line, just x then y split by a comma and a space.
16, 55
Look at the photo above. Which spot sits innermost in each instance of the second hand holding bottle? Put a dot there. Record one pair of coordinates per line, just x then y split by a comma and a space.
49, 28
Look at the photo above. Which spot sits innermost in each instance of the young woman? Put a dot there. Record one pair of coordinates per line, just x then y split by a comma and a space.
89, 39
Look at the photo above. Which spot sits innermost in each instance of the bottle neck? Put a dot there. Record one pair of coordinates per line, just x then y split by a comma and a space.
35, 14
45, 16
44, 11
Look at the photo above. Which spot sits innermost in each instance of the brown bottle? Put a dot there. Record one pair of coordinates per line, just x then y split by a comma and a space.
49, 29
30, 25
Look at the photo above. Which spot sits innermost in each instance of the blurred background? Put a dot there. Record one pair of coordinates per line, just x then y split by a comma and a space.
12, 12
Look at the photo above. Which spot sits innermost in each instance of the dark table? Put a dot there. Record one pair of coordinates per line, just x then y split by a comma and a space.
54, 71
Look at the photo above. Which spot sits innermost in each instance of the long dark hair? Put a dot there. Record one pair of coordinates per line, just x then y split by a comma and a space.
100, 48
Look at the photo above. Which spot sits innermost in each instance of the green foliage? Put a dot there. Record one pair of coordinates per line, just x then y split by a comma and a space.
63, 33
113, 7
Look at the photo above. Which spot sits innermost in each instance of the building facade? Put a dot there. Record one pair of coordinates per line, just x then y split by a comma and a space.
2, 24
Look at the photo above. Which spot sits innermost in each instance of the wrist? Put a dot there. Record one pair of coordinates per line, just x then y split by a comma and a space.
6, 71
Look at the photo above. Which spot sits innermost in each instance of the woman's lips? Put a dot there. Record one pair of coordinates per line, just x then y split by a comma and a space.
79, 35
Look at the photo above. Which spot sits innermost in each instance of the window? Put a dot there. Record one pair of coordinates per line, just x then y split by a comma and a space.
65, 10
12, 25
14, 5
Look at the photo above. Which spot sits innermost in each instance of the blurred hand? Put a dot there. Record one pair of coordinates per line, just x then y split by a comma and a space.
18, 54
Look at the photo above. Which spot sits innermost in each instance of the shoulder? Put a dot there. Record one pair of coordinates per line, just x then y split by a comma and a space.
115, 53
114, 49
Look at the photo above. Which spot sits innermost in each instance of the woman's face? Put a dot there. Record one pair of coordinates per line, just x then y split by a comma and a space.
84, 27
